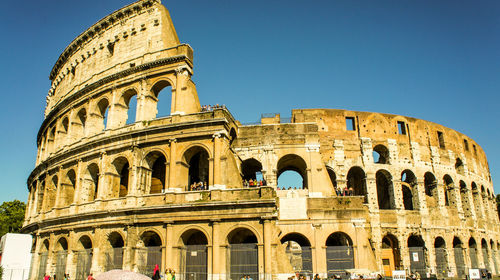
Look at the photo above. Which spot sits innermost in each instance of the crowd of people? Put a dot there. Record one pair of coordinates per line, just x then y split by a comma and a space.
208, 108
254, 183
66, 277
246, 277
168, 275
344, 191
198, 186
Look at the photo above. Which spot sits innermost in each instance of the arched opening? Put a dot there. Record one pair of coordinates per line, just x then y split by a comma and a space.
339, 253
298, 250
51, 192
385, 190
114, 255
40, 185
129, 100
232, 136
380, 154
68, 188
408, 183
196, 169
458, 251
91, 182
292, 172
162, 91
441, 257
102, 111
251, 170
61, 257
356, 182
243, 254
494, 255
430, 184
459, 166
150, 254
83, 257
78, 125
391, 257
473, 253
333, 179
416, 248
158, 169
51, 139
43, 259
477, 199
451, 199
486, 254
121, 171
464, 196
194, 255
63, 131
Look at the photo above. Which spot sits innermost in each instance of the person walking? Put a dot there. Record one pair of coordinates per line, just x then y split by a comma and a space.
156, 273
90, 277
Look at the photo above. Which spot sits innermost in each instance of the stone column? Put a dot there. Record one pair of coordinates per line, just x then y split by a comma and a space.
267, 249
168, 245
216, 175
216, 259
58, 202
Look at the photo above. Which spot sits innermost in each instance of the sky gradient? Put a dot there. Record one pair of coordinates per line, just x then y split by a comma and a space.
433, 60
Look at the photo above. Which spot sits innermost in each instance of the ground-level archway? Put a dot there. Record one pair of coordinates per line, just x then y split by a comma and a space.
458, 251
193, 255
83, 257
243, 254
441, 257
298, 250
61, 257
416, 248
339, 253
114, 254
149, 253
391, 257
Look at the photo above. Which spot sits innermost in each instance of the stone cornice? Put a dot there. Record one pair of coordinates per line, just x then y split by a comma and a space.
146, 66
88, 34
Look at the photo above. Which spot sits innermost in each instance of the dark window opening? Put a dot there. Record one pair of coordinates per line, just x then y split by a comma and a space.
441, 139
350, 124
401, 128
380, 154
466, 145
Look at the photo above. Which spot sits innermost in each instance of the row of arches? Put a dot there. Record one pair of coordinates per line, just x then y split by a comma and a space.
112, 110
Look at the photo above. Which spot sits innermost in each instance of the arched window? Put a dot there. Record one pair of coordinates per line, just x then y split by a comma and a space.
385, 190
380, 154
83, 257
459, 166
150, 254
114, 255
292, 172
129, 100
473, 252
51, 191
102, 111
243, 254
486, 254
162, 90
356, 182
78, 124
476, 196
251, 170
121, 167
157, 164
332, 176
339, 253
68, 188
391, 256
91, 182
194, 254
441, 257
63, 131
430, 184
416, 247
451, 199
458, 251
298, 251
464, 196
409, 190
196, 169
43, 259
61, 257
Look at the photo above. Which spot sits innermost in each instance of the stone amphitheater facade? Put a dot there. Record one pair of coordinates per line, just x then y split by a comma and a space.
109, 194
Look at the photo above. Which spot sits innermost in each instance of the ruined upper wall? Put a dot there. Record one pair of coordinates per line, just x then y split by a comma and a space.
136, 34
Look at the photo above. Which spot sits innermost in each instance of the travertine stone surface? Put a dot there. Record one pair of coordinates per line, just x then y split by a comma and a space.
109, 193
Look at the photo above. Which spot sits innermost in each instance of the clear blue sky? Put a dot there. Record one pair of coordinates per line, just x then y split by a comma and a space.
434, 60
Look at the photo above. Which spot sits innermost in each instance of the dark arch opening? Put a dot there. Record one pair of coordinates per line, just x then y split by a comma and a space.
244, 257
103, 108
380, 154
333, 178
408, 183
122, 169
288, 166
232, 136
194, 254
93, 181
356, 182
430, 183
486, 254
129, 99
298, 251
198, 168
157, 164
251, 168
114, 257
339, 253
466, 206
473, 253
162, 90
385, 193
416, 248
459, 166
441, 257
390, 254
151, 254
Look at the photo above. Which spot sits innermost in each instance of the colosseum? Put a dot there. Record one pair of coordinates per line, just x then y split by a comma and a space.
124, 187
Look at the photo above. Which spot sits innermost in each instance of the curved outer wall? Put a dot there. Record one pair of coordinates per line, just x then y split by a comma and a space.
107, 193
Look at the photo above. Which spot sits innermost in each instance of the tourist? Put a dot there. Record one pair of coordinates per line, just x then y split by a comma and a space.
90, 277
173, 274
46, 277
316, 277
168, 274
156, 273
